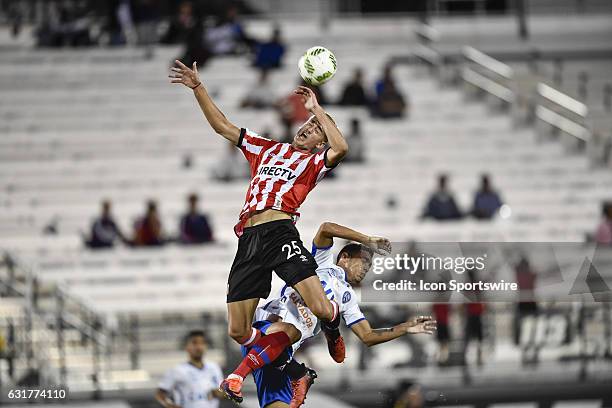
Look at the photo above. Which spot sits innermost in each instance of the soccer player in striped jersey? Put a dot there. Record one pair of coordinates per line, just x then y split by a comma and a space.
285, 382
282, 175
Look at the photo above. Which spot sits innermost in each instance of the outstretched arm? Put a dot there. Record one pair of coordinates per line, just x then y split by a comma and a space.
181, 74
329, 230
371, 337
338, 148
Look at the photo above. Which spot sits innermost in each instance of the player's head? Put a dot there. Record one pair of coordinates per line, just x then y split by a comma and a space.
106, 208
196, 344
193, 202
607, 209
442, 181
310, 136
356, 260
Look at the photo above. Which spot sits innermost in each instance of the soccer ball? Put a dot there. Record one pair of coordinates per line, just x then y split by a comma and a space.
317, 65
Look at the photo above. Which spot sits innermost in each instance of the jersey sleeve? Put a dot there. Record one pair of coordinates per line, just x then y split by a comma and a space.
323, 256
319, 168
168, 381
349, 307
252, 145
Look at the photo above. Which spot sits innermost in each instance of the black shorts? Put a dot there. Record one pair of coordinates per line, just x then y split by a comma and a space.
443, 333
272, 246
473, 327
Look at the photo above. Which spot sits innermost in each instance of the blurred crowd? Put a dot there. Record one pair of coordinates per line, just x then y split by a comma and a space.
147, 231
442, 206
204, 27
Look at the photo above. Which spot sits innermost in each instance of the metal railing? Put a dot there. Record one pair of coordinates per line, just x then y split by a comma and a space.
529, 100
487, 75
51, 319
561, 114
426, 53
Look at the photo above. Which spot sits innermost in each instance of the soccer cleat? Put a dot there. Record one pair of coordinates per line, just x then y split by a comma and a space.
231, 387
300, 388
335, 346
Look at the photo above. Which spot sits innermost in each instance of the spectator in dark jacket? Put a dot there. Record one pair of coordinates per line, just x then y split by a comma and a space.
486, 201
441, 204
181, 25
104, 230
195, 228
269, 54
389, 103
145, 16
354, 93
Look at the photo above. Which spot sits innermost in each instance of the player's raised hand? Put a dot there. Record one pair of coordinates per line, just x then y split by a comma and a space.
182, 74
380, 245
421, 324
308, 96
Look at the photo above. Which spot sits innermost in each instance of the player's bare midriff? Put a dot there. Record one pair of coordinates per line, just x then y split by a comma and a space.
266, 216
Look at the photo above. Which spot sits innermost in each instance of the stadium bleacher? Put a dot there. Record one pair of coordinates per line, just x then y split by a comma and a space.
89, 125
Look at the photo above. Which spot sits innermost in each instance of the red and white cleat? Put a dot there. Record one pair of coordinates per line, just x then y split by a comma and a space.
300, 388
335, 346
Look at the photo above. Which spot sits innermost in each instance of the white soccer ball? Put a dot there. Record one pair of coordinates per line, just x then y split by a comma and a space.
317, 65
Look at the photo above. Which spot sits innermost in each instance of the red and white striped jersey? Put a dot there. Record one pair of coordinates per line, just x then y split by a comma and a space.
281, 175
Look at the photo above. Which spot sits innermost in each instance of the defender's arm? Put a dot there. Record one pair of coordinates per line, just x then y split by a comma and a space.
371, 337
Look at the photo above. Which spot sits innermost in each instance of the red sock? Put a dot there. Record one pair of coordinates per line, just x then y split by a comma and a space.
266, 350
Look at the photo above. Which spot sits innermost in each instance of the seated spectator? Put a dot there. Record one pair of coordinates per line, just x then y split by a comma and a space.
195, 47
269, 54
145, 17
355, 140
195, 228
147, 230
389, 103
231, 166
64, 24
486, 201
181, 25
113, 26
603, 236
261, 96
441, 204
228, 36
354, 93
104, 230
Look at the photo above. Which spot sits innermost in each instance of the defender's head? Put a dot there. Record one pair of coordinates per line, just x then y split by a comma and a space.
356, 260
310, 136
196, 344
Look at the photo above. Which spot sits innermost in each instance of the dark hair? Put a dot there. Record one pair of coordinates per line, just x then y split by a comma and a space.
195, 333
151, 205
354, 250
606, 207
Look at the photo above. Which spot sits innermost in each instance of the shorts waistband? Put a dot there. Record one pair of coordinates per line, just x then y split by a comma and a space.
267, 225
